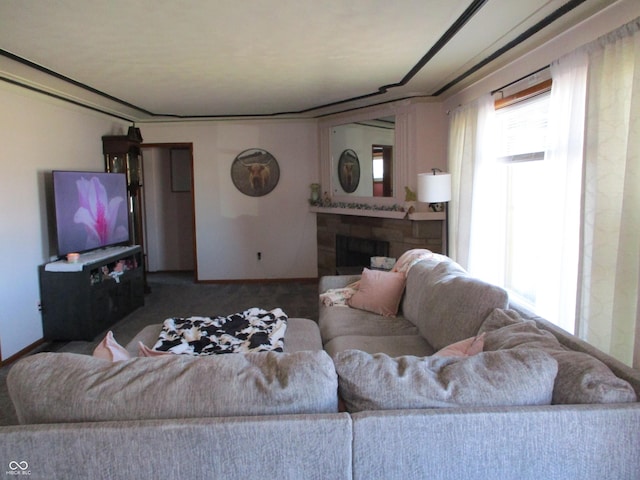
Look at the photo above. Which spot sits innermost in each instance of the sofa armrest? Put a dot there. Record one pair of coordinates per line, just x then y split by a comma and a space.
573, 342
336, 281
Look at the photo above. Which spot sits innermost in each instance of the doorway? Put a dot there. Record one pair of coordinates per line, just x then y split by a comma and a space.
169, 219
382, 161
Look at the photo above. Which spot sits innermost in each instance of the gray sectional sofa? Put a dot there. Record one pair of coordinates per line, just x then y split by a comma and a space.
536, 403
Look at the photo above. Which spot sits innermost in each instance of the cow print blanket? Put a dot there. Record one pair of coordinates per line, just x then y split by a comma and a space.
254, 330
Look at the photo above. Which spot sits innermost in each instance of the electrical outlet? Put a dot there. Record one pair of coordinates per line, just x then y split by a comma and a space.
39, 306
259, 255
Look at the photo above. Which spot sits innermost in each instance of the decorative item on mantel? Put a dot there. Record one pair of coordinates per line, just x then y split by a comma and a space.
409, 200
327, 205
315, 194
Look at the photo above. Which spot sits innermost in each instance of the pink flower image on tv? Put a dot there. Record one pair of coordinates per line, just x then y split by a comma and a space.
97, 212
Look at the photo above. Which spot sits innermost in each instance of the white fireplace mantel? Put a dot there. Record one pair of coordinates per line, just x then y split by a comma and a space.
362, 212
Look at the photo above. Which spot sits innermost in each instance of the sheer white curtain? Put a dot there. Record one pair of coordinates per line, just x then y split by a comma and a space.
556, 285
610, 256
589, 204
484, 217
467, 137
488, 229
462, 134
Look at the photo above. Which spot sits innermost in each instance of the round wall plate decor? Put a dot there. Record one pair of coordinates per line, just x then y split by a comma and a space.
255, 172
349, 170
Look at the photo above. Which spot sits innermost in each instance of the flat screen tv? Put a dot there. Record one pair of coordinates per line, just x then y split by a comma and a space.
91, 210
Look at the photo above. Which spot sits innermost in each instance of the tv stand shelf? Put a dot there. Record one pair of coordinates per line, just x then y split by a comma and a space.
80, 300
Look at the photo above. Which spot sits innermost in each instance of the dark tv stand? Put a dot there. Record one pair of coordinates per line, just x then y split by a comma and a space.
80, 300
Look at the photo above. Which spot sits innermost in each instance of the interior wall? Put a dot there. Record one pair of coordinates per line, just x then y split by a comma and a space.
38, 134
232, 228
428, 140
168, 215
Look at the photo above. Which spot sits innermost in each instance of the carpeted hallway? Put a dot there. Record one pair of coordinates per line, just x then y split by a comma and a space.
176, 295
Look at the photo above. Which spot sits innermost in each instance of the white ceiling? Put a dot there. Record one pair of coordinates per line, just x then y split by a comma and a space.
153, 59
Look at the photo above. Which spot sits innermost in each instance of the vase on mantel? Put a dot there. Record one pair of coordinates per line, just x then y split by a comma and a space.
410, 199
315, 193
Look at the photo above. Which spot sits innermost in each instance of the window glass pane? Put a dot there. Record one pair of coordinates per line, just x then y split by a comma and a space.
522, 128
525, 222
523, 138
378, 168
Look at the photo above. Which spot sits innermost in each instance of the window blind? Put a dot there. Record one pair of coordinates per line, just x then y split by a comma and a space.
522, 130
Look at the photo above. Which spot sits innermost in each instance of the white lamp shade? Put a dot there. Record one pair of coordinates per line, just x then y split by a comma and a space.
434, 187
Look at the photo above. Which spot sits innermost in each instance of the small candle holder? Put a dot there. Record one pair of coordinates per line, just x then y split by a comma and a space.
315, 194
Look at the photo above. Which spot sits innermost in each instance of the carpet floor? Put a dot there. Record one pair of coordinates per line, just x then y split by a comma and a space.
176, 295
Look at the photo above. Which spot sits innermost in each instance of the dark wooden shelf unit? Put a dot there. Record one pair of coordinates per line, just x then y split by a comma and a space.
78, 305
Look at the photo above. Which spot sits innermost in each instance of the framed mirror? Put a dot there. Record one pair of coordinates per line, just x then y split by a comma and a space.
364, 148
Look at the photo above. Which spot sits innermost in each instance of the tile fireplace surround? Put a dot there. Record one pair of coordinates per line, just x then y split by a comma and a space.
402, 235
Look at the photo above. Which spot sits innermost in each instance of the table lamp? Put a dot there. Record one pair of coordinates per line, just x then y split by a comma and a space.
435, 187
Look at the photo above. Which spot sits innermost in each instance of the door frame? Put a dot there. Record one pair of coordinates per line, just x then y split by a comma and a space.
183, 146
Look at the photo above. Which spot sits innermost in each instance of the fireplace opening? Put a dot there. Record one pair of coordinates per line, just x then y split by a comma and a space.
354, 253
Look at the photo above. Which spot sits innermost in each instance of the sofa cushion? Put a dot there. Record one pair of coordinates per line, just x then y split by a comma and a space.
302, 334
339, 321
66, 387
379, 292
144, 351
504, 378
446, 304
147, 336
581, 377
394, 346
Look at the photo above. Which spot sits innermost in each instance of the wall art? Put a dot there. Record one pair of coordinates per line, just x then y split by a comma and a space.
255, 172
349, 170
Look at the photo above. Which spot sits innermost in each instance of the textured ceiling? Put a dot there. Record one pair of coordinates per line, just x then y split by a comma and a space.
153, 59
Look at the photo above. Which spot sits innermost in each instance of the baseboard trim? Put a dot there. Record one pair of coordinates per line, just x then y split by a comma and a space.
26, 350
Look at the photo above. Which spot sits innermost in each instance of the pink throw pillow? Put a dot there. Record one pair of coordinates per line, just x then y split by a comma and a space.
144, 351
111, 350
379, 292
463, 348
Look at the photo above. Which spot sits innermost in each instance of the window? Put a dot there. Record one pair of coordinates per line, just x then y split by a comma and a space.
522, 130
524, 209
522, 141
